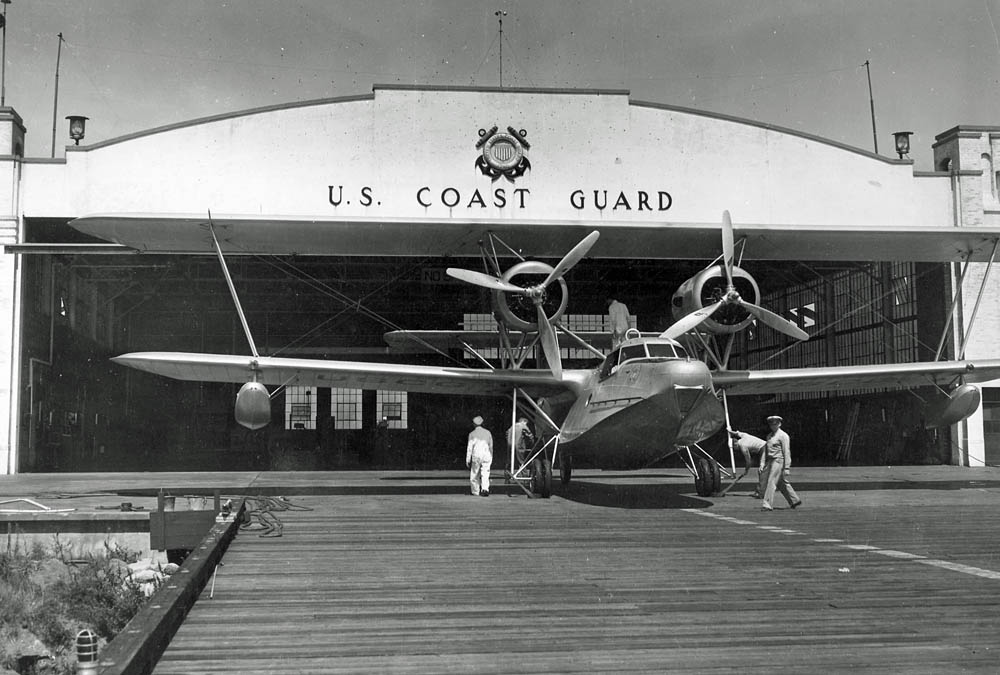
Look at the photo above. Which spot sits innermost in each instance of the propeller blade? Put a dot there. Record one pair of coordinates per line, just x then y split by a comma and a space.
728, 247
689, 321
572, 258
776, 321
484, 280
550, 343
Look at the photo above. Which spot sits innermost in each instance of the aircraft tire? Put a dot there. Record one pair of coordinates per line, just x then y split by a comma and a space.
546, 478
541, 477
708, 474
565, 468
716, 477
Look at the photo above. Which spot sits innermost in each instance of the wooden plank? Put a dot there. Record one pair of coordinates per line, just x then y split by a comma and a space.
381, 577
137, 648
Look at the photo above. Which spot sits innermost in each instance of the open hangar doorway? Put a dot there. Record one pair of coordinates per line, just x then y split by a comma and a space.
82, 412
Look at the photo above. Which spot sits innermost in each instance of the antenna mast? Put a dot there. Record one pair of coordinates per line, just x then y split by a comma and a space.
3, 58
500, 14
55, 103
871, 100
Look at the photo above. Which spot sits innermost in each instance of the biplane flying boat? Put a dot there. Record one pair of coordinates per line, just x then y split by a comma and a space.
652, 396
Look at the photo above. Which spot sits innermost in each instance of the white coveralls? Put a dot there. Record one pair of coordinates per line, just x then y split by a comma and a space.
749, 445
618, 318
778, 455
523, 439
479, 459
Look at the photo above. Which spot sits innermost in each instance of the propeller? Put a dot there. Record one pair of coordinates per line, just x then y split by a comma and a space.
689, 321
484, 280
728, 247
550, 343
732, 297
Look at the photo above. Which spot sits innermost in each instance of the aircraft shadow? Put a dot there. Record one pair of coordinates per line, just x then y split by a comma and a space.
648, 496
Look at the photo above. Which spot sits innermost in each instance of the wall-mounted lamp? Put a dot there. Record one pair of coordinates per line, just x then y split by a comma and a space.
902, 142
77, 127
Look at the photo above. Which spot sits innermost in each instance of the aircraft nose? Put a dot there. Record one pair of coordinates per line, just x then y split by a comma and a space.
691, 374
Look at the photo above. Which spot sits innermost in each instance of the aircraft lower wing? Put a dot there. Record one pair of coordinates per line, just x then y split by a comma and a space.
277, 371
893, 376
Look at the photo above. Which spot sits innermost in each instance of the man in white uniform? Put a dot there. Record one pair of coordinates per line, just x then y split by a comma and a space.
523, 439
749, 445
618, 318
479, 458
778, 463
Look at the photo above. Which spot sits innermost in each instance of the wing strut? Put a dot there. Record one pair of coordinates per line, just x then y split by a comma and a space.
979, 298
232, 289
951, 310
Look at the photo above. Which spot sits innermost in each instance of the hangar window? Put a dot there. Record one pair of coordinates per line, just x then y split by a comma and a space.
392, 404
578, 323
300, 408
345, 405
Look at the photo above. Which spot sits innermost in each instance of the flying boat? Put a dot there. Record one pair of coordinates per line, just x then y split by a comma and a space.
654, 395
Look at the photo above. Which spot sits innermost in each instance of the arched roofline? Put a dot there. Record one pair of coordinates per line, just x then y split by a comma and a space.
217, 118
516, 90
771, 127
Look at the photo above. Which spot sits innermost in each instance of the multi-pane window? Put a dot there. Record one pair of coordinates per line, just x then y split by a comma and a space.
578, 323
345, 405
300, 407
991, 410
872, 320
392, 404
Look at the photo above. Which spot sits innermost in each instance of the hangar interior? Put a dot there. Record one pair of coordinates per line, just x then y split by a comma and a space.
87, 413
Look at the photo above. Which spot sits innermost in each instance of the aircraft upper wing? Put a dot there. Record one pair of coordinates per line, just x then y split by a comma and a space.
352, 374
424, 341
893, 376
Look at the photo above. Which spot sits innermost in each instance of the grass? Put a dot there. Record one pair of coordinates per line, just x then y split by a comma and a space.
48, 597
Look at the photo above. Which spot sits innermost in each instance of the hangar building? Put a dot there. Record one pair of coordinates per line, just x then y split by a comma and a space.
339, 216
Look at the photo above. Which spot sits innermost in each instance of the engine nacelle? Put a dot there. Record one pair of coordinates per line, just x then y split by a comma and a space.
953, 408
517, 312
707, 287
253, 406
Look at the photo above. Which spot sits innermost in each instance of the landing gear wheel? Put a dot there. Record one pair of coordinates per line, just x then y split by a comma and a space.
541, 477
565, 468
708, 481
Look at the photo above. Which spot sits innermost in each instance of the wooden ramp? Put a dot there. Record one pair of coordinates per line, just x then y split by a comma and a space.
882, 570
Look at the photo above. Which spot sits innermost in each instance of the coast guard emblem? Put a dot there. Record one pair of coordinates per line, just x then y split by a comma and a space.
503, 153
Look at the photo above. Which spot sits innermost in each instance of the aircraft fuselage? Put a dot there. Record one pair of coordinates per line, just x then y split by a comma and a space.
641, 402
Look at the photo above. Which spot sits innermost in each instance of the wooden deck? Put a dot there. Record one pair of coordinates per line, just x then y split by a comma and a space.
882, 570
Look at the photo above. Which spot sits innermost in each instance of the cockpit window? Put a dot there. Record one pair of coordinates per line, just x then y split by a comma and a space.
633, 352
665, 350
609, 363
643, 350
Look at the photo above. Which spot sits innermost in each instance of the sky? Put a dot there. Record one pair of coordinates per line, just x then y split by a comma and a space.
131, 65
